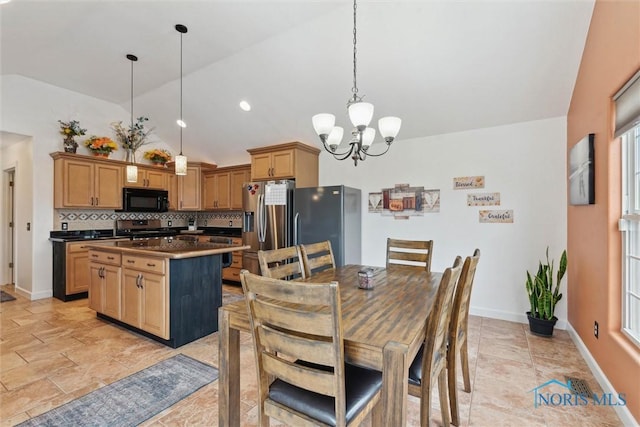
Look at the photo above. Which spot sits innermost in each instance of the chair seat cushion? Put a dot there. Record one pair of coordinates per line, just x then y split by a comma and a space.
361, 385
415, 370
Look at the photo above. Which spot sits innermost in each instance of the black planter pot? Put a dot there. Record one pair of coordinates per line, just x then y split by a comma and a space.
541, 327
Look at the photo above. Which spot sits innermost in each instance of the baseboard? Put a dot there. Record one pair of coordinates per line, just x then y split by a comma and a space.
622, 411
32, 296
511, 317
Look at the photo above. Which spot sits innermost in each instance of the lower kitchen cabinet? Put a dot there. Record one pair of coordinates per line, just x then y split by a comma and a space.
104, 282
232, 273
145, 295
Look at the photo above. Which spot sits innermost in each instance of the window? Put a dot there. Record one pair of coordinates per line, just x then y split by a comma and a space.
630, 225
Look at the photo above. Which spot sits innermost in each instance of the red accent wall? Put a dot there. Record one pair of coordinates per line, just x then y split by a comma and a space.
611, 57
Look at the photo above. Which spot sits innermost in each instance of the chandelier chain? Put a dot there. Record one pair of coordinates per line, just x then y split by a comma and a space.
355, 50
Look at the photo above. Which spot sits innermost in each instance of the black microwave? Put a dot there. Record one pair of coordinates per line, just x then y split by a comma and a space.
144, 200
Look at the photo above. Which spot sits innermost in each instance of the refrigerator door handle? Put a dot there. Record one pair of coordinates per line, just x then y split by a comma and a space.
296, 220
262, 220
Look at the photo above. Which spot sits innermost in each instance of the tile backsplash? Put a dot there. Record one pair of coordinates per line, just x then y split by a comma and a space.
91, 219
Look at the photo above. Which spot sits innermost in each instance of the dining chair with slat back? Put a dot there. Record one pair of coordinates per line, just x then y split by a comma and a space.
458, 333
298, 342
409, 253
430, 363
317, 257
283, 263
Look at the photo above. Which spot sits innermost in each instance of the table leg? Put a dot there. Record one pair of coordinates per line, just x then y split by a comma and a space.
395, 385
229, 381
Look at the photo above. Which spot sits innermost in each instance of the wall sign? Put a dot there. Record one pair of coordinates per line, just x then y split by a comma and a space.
467, 182
495, 216
483, 199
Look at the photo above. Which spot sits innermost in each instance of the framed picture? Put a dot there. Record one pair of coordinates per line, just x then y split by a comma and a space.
582, 189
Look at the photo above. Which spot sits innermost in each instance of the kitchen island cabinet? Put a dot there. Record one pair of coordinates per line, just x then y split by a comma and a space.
170, 289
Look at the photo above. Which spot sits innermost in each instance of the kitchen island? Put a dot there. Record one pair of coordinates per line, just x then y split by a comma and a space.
167, 289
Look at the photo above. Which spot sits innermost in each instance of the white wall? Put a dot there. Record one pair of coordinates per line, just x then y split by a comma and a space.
524, 162
33, 108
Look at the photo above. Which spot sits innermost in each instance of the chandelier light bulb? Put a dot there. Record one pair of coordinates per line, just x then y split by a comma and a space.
323, 124
361, 114
367, 138
389, 127
335, 137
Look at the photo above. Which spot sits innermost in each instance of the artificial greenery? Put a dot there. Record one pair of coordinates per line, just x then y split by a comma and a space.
543, 296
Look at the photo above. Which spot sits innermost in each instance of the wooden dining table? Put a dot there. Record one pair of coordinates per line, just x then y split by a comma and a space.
383, 329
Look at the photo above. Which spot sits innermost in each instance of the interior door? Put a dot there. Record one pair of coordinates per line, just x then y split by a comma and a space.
11, 228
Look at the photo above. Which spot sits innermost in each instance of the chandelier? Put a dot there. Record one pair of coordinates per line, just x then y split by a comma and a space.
360, 114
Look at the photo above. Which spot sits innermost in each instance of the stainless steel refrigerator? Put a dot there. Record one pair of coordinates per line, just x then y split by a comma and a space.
268, 219
331, 213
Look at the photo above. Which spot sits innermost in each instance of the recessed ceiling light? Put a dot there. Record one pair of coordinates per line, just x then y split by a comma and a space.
4, 1
181, 123
245, 106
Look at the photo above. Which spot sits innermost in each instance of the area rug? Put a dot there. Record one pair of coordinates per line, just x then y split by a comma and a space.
133, 399
4, 296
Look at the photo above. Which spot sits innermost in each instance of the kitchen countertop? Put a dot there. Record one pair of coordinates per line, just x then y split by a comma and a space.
166, 248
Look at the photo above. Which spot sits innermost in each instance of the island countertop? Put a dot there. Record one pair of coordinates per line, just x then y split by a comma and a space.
166, 248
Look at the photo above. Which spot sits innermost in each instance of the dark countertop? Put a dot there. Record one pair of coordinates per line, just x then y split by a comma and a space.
166, 248
80, 235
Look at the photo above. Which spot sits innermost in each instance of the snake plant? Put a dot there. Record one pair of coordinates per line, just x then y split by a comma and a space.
543, 296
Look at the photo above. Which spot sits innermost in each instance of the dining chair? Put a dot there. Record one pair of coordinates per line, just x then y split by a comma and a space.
430, 363
458, 333
409, 253
283, 263
317, 257
299, 349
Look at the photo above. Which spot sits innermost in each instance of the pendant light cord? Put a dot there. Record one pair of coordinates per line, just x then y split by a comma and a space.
181, 34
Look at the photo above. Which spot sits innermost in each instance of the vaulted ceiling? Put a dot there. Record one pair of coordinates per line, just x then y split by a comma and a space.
442, 66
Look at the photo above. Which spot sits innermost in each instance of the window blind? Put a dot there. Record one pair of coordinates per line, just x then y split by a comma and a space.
628, 105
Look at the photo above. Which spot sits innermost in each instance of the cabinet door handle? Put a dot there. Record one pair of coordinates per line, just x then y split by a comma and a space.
130, 261
101, 272
110, 258
92, 201
150, 265
97, 201
141, 278
94, 255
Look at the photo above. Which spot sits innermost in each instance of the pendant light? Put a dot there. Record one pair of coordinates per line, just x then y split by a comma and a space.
181, 160
360, 114
132, 169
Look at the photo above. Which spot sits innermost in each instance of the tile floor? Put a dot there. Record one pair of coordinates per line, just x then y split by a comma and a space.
53, 352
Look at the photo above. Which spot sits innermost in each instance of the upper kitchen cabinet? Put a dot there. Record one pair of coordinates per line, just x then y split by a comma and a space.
150, 177
185, 191
84, 182
293, 160
222, 188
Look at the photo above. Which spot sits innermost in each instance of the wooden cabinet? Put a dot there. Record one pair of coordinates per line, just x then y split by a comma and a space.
293, 160
145, 294
84, 182
238, 178
104, 283
222, 188
233, 271
215, 194
77, 268
149, 177
185, 191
